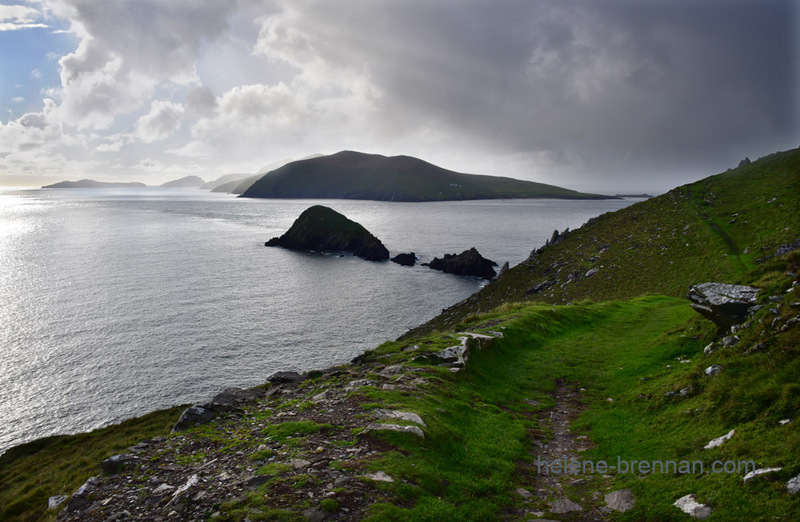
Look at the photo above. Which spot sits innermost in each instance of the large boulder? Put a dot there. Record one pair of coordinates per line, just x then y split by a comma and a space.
468, 263
725, 305
322, 229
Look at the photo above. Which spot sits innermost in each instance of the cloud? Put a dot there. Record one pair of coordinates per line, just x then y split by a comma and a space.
18, 17
576, 92
160, 123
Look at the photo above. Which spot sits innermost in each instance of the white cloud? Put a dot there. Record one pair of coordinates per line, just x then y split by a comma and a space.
18, 17
160, 123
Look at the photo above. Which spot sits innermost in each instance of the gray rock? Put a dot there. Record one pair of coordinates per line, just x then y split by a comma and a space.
503, 269
793, 486
379, 476
193, 416
730, 340
712, 370
564, 505
719, 441
758, 473
55, 501
591, 272
621, 500
314, 515
402, 415
524, 493
725, 305
414, 430
691, 507
115, 464
285, 378
80, 499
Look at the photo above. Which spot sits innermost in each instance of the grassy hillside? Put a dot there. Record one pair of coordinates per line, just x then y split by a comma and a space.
353, 175
33, 472
714, 229
618, 375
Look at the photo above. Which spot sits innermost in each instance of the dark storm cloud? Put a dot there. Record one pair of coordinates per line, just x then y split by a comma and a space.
619, 83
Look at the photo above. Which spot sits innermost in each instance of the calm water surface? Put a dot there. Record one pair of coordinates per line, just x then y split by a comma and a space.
117, 303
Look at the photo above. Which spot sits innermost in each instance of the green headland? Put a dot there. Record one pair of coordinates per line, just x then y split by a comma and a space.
355, 175
587, 352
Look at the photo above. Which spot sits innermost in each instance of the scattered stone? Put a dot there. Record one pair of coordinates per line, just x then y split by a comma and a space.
564, 505
185, 490
80, 499
691, 507
708, 350
725, 305
712, 370
524, 493
55, 501
719, 441
414, 430
285, 378
320, 396
352, 385
759, 472
193, 416
314, 515
379, 476
115, 464
591, 272
784, 422
793, 486
402, 415
299, 463
163, 490
621, 500
730, 340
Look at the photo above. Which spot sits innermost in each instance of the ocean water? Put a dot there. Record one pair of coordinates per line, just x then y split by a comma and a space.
117, 303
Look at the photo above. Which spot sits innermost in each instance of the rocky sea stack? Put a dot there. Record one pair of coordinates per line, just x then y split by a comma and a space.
468, 263
322, 229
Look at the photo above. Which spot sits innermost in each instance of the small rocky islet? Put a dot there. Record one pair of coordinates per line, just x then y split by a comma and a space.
322, 229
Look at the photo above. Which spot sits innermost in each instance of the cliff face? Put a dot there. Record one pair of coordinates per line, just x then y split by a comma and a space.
323, 229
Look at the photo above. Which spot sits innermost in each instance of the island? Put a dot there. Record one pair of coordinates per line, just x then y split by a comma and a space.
185, 182
322, 229
90, 183
355, 175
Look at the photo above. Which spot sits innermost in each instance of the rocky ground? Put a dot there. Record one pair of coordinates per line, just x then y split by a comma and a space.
292, 448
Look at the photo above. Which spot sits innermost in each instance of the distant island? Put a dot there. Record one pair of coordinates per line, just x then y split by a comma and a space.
90, 183
355, 175
185, 182
645, 196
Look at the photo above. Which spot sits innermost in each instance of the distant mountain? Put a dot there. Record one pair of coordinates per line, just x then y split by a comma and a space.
224, 180
355, 175
185, 182
90, 183
237, 186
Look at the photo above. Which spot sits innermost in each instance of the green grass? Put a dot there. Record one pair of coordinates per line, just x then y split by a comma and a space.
717, 229
33, 472
479, 421
281, 432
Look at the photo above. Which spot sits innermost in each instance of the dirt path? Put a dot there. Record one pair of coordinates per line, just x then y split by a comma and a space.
551, 492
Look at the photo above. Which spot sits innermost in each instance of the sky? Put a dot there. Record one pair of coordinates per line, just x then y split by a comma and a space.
596, 95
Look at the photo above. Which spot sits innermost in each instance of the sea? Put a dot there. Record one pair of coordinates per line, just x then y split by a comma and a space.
115, 303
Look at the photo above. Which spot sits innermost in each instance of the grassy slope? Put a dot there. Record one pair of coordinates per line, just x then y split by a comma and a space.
479, 424
33, 472
353, 175
714, 229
